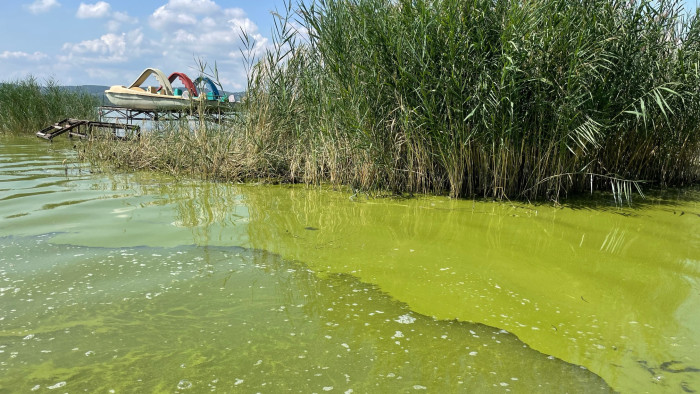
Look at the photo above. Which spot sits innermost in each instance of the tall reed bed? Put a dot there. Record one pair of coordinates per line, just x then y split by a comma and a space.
496, 98
502, 98
26, 106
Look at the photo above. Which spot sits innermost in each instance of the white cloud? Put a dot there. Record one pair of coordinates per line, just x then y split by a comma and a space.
109, 48
194, 6
40, 6
164, 19
118, 19
123, 17
184, 37
135, 38
100, 9
178, 35
36, 56
113, 26
107, 44
16, 65
202, 28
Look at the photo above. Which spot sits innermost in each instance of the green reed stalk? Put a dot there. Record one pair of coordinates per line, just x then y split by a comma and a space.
27, 107
496, 98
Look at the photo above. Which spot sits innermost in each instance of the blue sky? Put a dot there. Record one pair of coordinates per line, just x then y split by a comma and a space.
111, 42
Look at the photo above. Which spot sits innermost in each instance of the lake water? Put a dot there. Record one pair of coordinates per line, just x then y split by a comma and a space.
145, 283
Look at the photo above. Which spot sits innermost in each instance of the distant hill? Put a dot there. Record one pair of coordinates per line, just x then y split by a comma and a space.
92, 89
99, 92
95, 90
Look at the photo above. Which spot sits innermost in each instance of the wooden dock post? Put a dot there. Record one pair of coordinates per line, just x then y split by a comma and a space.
82, 128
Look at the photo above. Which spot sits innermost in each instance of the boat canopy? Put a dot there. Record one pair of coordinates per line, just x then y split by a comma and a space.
209, 82
164, 82
185, 81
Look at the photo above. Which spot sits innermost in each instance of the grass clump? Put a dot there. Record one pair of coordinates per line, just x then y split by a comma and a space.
27, 107
494, 98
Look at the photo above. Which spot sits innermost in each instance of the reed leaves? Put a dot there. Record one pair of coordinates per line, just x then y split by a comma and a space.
486, 97
27, 107
498, 98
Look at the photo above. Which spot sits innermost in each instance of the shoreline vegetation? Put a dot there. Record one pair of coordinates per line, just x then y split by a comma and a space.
482, 98
27, 107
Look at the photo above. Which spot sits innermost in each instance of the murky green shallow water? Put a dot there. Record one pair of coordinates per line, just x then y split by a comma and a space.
140, 283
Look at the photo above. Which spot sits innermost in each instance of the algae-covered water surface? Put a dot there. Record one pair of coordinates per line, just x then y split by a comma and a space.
144, 283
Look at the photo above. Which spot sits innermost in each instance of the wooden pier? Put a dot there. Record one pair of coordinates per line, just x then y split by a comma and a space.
120, 121
215, 114
84, 128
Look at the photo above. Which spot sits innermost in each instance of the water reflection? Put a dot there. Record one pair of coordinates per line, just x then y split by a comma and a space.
612, 289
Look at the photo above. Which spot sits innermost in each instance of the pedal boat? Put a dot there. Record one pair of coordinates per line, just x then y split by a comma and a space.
163, 98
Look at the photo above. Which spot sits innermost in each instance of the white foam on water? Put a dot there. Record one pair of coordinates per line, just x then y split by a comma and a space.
184, 384
405, 319
57, 386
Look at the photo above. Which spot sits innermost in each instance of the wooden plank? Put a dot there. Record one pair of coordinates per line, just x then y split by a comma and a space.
72, 126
